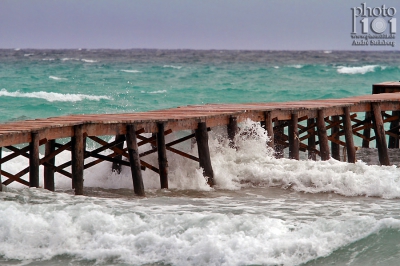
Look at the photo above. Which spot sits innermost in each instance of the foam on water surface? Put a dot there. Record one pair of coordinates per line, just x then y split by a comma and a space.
53, 96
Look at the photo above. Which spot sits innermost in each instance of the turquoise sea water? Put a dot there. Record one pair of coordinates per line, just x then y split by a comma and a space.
263, 211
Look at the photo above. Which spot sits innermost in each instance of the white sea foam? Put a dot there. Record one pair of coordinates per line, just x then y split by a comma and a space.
327, 52
70, 59
130, 71
77, 59
57, 78
358, 70
141, 232
296, 66
276, 67
48, 59
154, 92
171, 66
53, 96
88, 60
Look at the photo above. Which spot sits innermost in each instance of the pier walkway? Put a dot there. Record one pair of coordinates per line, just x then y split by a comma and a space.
306, 126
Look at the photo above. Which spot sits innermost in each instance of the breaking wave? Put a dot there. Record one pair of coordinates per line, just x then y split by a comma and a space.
53, 96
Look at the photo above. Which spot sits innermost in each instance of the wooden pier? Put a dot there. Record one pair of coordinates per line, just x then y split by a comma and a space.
310, 126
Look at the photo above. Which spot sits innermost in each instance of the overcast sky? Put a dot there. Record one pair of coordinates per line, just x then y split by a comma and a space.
175, 24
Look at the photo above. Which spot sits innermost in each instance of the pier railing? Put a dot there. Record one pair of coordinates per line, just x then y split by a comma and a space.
307, 126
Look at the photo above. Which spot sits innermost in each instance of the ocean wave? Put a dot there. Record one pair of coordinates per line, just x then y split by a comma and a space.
53, 96
78, 59
115, 231
57, 78
48, 59
154, 92
358, 70
130, 71
253, 164
171, 66
88, 60
296, 66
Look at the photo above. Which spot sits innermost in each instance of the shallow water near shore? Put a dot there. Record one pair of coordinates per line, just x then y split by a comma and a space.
262, 211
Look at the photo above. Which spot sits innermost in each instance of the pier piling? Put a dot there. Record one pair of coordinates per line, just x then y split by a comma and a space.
116, 167
34, 160
335, 147
201, 135
1, 182
49, 167
134, 160
394, 128
162, 156
294, 137
380, 134
232, 130
311, 139
348, 133
278, 132
78, 151
322, 136
269, 127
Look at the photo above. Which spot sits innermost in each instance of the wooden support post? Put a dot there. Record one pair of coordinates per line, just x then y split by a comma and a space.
380, 134
134, 160
367, 131
162, 156
78, 153
34, 160
322, 136
335, 148
394, 142
116, 167
49, 171
232, 129
278, 147
294, 141
269, 128
204, 152
311, 140
1, 182
348, 133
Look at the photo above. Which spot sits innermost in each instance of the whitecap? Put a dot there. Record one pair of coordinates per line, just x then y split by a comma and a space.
48, 59
57, 78
130, 71
88, 60
327, 52
357, 70
70, 59
154, 92
171, 66
276, 67
296, 66
54, 96
28, 54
